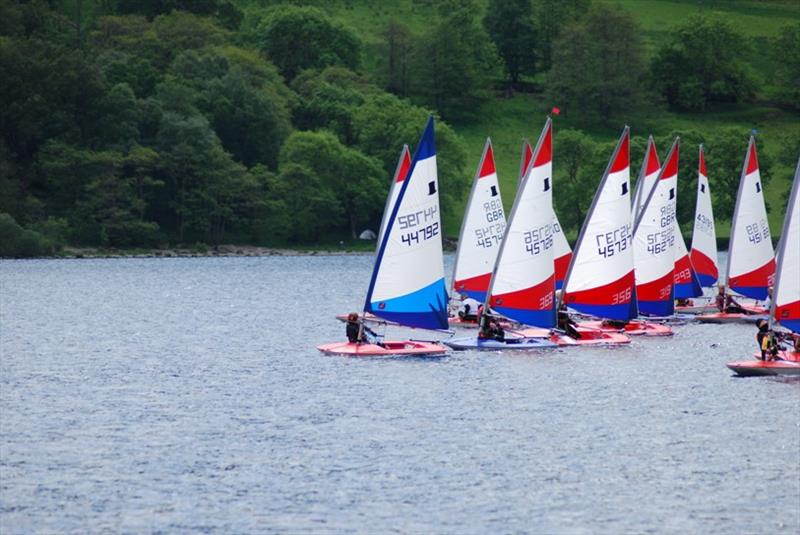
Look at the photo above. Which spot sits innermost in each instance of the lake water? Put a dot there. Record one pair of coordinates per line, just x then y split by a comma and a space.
186, 395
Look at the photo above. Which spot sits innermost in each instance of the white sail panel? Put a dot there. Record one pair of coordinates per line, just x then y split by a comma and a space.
600, 280
751, 262
654, 242
407, 283
704, 237
523, 281
786, 301
481, 231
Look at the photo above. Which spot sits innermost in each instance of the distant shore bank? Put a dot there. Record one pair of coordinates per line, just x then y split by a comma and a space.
194, 252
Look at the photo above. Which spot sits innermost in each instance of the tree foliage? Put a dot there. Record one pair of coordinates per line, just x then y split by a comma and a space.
702, 63
297, 38
599, 68
455, 62
510, 25
787, 58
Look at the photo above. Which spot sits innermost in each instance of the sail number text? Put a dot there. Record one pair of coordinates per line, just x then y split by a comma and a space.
758, 232
422, 225
539, 239
490, 236
614, 242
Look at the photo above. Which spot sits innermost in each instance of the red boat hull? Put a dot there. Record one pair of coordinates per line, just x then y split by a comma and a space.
790, 365
388, 349
632, 328
724, 317
589, 337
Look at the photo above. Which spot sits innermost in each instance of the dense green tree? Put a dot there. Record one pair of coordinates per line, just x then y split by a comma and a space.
551, 16
510, 25
787, 60
598, 65
701, 63
384, 123
395, 58
224, 10
357, 181
455, 62
250, 117
18, 242
575, 179
297, 38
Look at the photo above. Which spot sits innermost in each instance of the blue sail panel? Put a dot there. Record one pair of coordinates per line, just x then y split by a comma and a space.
425, 308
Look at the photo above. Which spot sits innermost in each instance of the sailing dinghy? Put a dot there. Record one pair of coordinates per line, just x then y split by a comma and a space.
407, 285
522, 281
599, 280
602, 282
785, 307
751, 262
561, 249
480, 236
400, 173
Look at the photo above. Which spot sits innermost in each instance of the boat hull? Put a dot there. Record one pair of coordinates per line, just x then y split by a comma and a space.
788, 365
589, 337
632, 328
488, 344
724, 317
408, 348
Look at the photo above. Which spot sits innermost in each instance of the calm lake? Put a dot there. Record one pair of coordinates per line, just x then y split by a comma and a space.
185, 395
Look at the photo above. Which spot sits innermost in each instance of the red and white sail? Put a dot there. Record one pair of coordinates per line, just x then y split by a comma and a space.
481, 231
786, 298
704, 237
751, 262
600, 280
654, 242
523, 280
400, 172
561, 248
647, 177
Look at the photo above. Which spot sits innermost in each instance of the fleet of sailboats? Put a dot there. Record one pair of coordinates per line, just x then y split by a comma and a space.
630, 258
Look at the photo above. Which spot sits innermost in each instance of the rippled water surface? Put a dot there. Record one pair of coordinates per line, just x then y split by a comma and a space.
186, 395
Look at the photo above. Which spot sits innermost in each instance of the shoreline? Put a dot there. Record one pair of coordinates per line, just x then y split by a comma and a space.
76, 253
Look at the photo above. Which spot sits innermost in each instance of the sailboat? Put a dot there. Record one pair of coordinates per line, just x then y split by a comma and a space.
407, 285
561, 249
522, 284
751, 262
654, 242
653, 272
785, 306
704, 237
400, 174
600, 279
481, 234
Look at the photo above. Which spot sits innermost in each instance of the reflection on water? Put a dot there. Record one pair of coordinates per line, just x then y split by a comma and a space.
186, 395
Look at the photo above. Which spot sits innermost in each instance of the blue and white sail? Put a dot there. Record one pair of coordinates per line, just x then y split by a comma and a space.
407, 285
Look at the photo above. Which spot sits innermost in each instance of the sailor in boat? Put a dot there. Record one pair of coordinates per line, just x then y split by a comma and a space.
358, 333
490, 329
565, 323
468, 309
727, 304
767, 342
683, 302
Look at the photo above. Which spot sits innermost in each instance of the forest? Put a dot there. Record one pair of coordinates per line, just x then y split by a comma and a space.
152, 123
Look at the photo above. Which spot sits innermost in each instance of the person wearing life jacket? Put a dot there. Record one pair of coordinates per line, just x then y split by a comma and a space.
354, 333
766, 341
490, 329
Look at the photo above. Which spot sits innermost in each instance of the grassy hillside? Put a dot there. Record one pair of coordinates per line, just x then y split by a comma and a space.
508, 120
